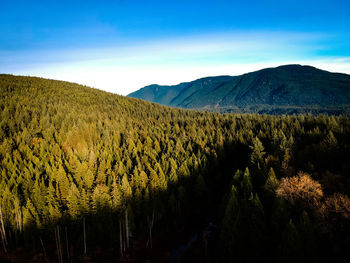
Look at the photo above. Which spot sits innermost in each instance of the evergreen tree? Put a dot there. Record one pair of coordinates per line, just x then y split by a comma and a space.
116, 195
246, 184
289, 249
101, 198
126, 188
73, 201
257, 155
229, 238
271, 183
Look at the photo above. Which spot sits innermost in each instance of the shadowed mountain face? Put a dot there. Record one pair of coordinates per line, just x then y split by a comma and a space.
284, 87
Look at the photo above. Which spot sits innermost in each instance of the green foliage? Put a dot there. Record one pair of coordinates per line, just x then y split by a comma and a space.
70, 154
271, 182
257, 152
289, 249
73, 201
229, 231
246, 184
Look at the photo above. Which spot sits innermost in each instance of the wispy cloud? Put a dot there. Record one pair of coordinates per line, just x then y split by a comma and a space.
127, 66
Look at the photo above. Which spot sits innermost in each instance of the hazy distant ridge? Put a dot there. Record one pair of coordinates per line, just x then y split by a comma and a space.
290, 86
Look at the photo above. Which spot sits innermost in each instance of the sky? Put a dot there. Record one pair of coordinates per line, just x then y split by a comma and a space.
123, 45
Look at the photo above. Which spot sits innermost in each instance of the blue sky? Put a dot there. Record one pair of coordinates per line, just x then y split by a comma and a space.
121, 46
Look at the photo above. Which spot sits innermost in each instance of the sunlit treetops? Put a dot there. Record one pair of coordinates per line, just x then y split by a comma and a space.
69, 153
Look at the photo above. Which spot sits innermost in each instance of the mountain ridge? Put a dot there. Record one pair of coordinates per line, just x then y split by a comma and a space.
294, 86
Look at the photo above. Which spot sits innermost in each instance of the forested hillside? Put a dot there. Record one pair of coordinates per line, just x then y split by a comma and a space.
89, 176
282, 90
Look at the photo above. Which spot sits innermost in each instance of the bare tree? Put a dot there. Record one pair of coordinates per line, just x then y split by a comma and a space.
58, 244
121, 238
84, 235
126, 229
150, 227
2, 231
300, 188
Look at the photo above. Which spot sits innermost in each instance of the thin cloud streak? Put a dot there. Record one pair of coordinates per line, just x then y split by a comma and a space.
195, 45
128, 66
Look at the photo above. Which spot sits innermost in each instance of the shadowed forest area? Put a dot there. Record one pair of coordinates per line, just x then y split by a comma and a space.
89, 176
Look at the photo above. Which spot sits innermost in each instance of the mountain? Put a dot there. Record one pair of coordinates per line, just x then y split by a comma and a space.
288, 88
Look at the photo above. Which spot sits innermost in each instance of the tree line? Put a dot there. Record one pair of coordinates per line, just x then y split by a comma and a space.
82, 169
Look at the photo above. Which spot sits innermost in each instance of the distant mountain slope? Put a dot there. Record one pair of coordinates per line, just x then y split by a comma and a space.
285, 87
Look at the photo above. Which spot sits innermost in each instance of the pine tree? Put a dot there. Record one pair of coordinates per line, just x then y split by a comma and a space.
30, 215
126, 188
62, 186
229, 229
154, 180
116, 195
161, 176
237, 177
309, 238
246, 184
101, 199
143, 180
271, 183
258, 153
101, 173
290, 245
73, 201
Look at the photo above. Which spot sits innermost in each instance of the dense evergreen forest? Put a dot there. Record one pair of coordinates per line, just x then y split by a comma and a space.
89, 176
